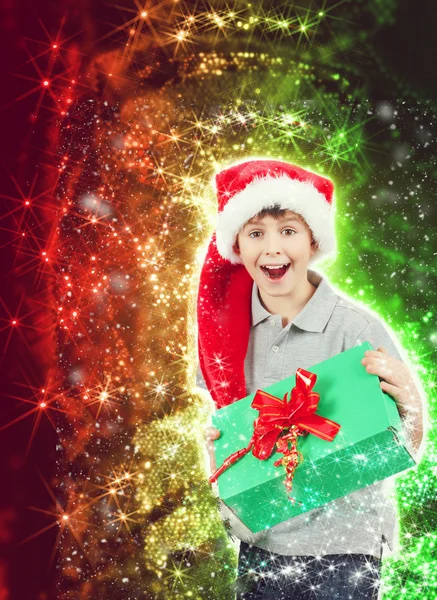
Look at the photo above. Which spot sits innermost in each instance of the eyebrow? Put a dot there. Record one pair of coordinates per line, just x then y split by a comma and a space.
282, 219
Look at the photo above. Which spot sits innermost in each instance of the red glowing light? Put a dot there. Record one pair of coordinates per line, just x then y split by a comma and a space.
46, 83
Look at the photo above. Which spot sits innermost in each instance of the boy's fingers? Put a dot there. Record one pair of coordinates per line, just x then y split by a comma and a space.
380, 353
211, 453
374, 361
393, 390
210, 448
379, 368
211, 433
390, 370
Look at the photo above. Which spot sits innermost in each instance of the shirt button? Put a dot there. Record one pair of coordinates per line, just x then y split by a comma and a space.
275, 348
272, 321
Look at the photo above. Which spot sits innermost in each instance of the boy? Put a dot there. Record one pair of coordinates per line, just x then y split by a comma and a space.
262, 314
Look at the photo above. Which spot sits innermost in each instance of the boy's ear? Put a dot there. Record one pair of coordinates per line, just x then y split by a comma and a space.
235, 247
314, 246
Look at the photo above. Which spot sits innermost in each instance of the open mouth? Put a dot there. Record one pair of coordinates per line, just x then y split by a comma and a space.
276, 272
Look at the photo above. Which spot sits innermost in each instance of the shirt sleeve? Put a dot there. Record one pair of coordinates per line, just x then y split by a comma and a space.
377, 334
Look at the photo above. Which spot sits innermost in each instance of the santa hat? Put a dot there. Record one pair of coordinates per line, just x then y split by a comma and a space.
225, 288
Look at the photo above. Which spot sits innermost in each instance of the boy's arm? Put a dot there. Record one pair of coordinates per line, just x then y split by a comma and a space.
234, 526
391, 364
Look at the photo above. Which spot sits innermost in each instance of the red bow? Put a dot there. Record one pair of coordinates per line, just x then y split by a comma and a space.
275, 415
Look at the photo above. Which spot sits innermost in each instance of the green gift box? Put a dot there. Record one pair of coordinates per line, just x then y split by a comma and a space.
370, 446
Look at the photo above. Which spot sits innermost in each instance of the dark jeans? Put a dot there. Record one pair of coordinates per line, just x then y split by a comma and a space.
263, 575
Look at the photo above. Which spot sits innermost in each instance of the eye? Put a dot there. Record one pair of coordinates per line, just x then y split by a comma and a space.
252, 232
288, 229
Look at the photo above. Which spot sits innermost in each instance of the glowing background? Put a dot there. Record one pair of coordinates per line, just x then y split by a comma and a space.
136, 132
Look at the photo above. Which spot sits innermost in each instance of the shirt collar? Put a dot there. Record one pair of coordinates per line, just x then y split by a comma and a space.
315, 314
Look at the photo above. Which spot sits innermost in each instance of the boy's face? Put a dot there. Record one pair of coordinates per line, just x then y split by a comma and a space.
282, 241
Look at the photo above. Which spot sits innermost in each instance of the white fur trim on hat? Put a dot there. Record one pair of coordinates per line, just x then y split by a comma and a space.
264, 192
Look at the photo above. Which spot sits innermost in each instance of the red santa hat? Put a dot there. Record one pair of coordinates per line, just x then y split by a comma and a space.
225, 288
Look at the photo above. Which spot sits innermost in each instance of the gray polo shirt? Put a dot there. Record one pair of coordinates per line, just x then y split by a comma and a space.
327, 325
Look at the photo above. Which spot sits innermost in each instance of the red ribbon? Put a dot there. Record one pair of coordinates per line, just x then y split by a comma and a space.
276, 415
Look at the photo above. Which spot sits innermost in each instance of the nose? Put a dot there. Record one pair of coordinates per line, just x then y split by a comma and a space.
272, 245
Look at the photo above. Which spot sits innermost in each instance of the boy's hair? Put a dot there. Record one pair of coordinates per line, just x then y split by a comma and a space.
277, 212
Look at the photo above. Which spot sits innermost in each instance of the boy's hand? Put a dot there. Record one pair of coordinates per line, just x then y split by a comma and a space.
398, 382
211, 434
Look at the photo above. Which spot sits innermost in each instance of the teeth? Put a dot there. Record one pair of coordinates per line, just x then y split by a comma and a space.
275, 266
